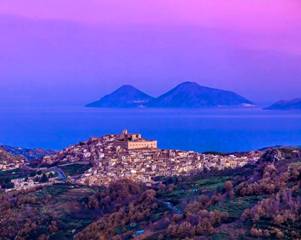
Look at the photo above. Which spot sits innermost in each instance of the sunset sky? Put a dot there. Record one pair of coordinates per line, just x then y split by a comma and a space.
69, 52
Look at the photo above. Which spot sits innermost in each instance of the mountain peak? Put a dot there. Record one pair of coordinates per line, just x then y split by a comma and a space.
188, 83
193, 95
127, 87
126, 96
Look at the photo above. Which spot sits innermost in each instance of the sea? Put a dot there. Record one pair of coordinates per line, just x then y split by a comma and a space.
222, 130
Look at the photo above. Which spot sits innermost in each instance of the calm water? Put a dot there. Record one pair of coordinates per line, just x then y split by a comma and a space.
200, 130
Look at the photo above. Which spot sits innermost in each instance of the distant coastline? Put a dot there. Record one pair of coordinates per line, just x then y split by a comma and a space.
285, 105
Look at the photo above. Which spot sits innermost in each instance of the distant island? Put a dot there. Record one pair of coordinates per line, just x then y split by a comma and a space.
294, 104
192, 95
126, 96
185, 95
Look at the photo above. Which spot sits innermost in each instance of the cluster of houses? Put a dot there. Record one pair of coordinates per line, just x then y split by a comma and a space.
144, 165
118, 156
130, 156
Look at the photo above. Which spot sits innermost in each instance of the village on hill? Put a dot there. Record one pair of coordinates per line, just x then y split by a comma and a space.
130, 156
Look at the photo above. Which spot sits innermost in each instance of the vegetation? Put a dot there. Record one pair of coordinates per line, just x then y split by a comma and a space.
255, 202
57, 210
7, 176
75, 169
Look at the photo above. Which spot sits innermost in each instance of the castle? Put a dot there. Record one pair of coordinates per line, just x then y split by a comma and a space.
135, 141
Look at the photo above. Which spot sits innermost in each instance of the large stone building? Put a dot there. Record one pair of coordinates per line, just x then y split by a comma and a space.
135, 141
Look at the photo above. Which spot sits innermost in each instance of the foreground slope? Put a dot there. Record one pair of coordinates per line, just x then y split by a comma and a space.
126, 96
257, 201
192, 95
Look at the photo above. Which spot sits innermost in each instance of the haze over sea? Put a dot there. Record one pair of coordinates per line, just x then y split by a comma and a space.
199, 130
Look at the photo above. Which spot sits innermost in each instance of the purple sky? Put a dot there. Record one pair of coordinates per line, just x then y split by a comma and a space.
74, 51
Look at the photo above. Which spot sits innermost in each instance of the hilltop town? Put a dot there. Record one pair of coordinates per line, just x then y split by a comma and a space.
113, 157
130, 156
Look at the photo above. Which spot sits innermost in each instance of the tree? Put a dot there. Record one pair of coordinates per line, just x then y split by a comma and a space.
44, 178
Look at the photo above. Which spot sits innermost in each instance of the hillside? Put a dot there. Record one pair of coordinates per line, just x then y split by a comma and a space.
28, 154
126, 96
257, 201
192, 95
294, 104
10, 161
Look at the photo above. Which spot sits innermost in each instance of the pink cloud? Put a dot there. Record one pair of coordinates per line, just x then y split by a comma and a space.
260, 15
